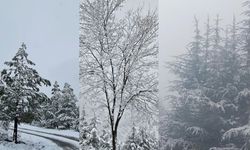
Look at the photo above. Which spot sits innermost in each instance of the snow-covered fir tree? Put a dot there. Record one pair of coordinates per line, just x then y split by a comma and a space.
90, 135
55, 104
211, 110
89, 138
93, 139
68, 112
60, 111
3, 113
203, 103
21, 94
239, 134
50, 108
148, 140
105, 140
141, 140
132, 141
83, 127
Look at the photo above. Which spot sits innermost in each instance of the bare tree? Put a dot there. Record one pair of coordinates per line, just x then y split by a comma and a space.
118, 58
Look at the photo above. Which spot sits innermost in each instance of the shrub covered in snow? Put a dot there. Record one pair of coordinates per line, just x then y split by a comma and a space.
4, 130
140, 140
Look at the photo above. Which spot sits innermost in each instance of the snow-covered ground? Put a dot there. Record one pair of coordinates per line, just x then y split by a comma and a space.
36, 138
31, 143
67, 133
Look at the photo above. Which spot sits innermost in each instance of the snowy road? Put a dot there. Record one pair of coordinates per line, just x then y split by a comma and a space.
65, 145
63, 141
68, 137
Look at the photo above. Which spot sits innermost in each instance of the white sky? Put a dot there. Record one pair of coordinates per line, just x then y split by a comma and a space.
176, 26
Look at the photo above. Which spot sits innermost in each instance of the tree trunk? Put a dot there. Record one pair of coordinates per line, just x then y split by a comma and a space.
114, 138
15, 130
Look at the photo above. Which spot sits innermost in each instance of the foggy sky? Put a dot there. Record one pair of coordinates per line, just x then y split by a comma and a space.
177, 26
50, 29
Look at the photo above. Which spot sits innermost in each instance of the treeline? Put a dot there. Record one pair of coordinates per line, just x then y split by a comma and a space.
22, 101
60, 110
210, 98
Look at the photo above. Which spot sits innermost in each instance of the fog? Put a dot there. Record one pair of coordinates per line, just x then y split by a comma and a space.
177, 26
209, 104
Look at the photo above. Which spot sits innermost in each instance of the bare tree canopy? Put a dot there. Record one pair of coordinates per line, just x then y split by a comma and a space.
118, 58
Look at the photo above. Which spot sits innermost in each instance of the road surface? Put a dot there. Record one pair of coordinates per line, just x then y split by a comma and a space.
65, 142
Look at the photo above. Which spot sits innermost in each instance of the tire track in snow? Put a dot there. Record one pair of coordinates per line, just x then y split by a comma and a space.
63, 145
62, 142
65, 136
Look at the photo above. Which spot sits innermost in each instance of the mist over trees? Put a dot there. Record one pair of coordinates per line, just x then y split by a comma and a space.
118, 62
21, 100
210, 96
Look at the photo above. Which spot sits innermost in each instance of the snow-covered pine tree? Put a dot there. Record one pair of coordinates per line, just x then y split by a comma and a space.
94, 138
22, 87
76, 122
229, 76
246, 35
3, 113
67, 113
191, 74
46, 114
55, 101
224, 76
189, 68
215, 54
105, 140
239, 135
90, 130
50, 107
203, 102
33, 117
141, 140
149, 141
83, 127
243, 99
206, 47
89, 138
132, 142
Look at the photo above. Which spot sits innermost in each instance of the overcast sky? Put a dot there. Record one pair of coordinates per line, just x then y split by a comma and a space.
50, 30
176, 26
